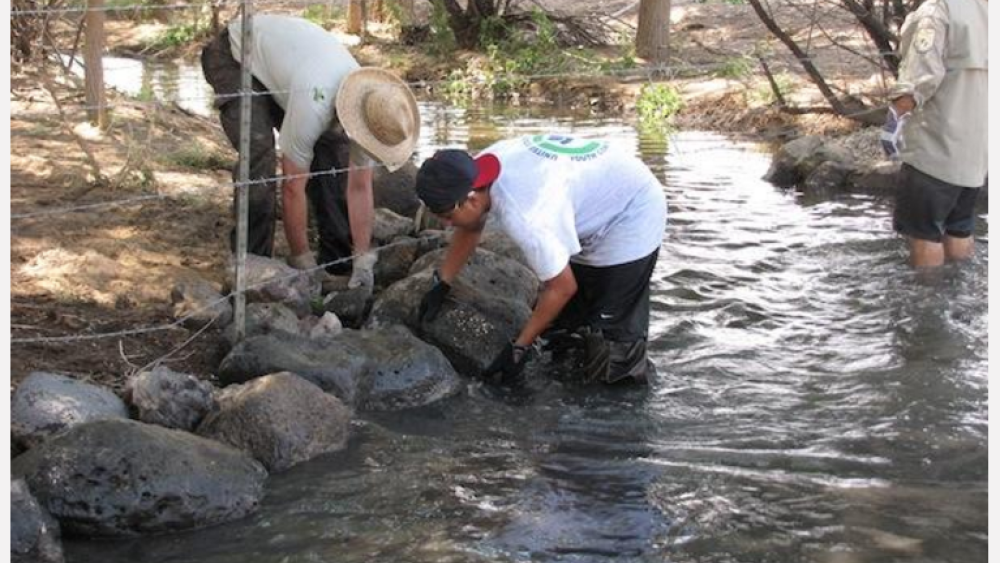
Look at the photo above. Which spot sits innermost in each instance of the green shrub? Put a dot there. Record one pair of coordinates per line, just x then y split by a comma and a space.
180, 34
658, 103
198, 157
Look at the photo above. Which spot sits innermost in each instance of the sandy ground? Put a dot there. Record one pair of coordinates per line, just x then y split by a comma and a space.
100, 270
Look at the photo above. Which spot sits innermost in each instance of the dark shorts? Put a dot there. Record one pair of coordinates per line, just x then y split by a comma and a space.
930, 209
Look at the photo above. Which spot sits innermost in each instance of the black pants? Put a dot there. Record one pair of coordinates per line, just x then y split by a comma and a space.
326, 192
614, 301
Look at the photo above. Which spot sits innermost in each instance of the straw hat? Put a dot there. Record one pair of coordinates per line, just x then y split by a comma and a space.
378, 111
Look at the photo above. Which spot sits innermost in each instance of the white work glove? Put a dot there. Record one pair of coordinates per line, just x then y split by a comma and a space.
892, 133
364, 271
304, 261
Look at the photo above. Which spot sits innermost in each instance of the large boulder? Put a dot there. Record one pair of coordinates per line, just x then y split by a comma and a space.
265, 318
34, 534
489, 303
197, 302
123, 477
793, 161
394, 190
280, 420
383, 369
47, 403
167, 398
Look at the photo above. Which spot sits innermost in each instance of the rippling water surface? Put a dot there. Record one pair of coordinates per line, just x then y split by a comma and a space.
816, 401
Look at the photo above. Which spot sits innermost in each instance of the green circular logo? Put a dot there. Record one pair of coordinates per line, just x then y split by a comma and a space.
554, 146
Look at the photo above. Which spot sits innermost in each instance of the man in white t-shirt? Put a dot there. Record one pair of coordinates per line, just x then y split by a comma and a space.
589, 217
331, 115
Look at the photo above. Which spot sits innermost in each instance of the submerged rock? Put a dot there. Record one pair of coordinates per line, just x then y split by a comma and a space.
47, 403
383, 369
122, 477
280, 420
34, 534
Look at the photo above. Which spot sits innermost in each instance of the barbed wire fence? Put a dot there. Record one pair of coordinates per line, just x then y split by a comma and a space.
246, 7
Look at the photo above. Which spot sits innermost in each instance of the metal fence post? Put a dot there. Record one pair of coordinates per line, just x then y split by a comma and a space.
242, 192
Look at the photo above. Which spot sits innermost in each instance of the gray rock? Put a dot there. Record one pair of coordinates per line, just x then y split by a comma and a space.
167, 398
496, 241
384, 369
47, 403
265, 318
489, 302
879, 178
793, 161
349, 305
389, 225
827, 178
34, 534
490, 273
123, 477
273, 281
395, 260
326, 326
280, 420
199, 303
394, 190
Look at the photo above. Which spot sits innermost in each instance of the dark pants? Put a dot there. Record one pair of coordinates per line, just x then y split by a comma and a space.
613, 301
930, 209
326, 193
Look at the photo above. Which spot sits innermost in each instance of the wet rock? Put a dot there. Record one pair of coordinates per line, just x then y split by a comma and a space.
349, 305
488, 304
273, 281
47, 403
394, 190
123, 477
389, 225
793, 161
879, 178
828, 178
199, 303
34, 534
167, 398
383, 369
280, 420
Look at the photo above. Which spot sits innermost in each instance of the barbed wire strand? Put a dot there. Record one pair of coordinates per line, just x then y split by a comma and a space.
211, 305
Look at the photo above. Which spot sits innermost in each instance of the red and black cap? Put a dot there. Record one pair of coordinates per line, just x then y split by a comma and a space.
446, 178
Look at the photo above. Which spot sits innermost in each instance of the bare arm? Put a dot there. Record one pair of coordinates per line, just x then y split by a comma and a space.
360, 206
556, 292
294, 209
463, 244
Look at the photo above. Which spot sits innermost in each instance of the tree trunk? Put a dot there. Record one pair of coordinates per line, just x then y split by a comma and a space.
94, 65
651, 39
355, 16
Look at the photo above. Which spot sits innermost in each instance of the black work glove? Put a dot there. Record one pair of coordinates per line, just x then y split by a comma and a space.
430, 306
508, 367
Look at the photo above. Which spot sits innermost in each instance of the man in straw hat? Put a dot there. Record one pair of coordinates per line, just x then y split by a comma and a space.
589, 218
331, 115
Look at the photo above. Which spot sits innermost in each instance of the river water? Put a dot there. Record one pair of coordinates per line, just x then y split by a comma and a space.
816, 401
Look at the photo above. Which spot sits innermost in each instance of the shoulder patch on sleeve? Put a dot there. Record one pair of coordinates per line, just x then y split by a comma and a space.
924, 38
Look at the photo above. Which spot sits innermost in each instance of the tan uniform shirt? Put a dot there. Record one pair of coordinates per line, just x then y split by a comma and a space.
945, 52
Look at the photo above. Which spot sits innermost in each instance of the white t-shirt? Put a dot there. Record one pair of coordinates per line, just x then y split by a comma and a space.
563, 198
302, 65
